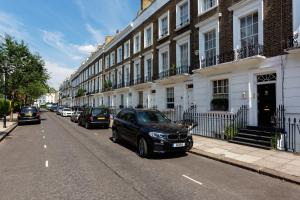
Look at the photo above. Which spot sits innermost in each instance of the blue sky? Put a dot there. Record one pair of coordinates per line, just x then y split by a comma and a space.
64, 32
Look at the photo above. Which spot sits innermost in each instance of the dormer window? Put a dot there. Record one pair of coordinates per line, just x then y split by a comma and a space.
164, 25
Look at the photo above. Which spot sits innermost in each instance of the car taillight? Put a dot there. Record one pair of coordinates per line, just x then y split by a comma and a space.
38, 115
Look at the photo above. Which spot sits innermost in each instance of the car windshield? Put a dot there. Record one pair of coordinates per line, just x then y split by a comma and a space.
67, 109
28, 109
151, 117
100, 111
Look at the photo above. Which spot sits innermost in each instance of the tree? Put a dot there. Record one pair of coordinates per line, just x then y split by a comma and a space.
26, 75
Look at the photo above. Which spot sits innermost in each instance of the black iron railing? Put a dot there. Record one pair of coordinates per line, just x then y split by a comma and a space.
174, 71
182, 70
137, 81
121, 85
217, 125
148, 78
245, 52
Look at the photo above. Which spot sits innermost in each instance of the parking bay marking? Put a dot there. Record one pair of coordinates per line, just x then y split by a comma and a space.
45, 146
185, 176
46, 163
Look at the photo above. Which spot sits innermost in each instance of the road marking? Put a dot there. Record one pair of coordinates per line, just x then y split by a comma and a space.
95, 133
43, 131
46, 163
185, 176
45, 146
44, 137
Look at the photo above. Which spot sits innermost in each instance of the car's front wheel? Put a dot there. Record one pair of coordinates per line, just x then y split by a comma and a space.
115, 136
143, 150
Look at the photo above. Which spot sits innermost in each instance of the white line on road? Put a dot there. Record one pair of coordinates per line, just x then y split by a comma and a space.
45, 146
43, 131
44, 137
46, 163
192, 179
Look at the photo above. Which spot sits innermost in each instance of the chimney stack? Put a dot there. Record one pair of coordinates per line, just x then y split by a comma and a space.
145, 4
108, 39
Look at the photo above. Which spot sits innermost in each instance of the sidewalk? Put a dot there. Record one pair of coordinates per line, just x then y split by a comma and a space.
9, 127
279, 164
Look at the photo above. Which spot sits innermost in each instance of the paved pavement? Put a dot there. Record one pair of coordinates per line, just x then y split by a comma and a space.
9, 126
284, 164
59, 160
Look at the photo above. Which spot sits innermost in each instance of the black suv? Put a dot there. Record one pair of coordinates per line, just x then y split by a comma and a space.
150, 131
94, 117
29, 114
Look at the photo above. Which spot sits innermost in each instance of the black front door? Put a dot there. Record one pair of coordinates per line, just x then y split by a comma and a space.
266, 103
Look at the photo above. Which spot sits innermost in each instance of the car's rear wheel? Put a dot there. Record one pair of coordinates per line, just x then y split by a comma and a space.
143, 150
115, 136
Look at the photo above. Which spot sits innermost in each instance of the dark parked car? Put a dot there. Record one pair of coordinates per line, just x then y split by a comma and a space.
151, 132
29, 114
75, 116
94, 117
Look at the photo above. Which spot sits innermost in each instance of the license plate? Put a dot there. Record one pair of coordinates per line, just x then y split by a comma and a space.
28, 115
101, 118
178, 145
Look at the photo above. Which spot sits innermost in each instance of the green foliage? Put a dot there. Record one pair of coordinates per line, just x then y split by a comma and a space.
26, 75
231, 131
4, 105
80, 92
274, 139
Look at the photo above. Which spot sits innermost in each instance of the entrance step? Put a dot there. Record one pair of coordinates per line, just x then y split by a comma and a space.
250, 144
254, 136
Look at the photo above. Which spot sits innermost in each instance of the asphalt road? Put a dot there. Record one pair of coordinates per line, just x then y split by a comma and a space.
60, 160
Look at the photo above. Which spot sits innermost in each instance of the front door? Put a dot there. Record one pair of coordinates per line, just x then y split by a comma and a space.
266, 103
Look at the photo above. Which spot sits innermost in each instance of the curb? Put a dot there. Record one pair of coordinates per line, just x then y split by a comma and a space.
8, 131
254, 168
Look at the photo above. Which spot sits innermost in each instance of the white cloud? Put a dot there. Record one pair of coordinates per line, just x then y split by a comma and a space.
56, 40
9, 24
58, 73
97, 34
85, 48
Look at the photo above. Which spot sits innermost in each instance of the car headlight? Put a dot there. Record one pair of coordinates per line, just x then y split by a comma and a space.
158, 135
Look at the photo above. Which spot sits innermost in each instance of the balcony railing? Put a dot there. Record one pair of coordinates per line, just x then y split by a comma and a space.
137, 81
245, 52
174, 71
148, 78
121, 85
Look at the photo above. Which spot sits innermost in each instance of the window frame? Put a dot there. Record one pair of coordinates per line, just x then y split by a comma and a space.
119, 55
220, 96
127, 55
201, 9
138, 35
179, 23
168, 103
150, 26
165, 15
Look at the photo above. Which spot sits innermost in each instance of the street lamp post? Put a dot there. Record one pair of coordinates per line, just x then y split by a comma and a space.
5, 96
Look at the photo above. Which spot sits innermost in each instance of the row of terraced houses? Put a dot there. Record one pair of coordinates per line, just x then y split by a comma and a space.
214, 54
